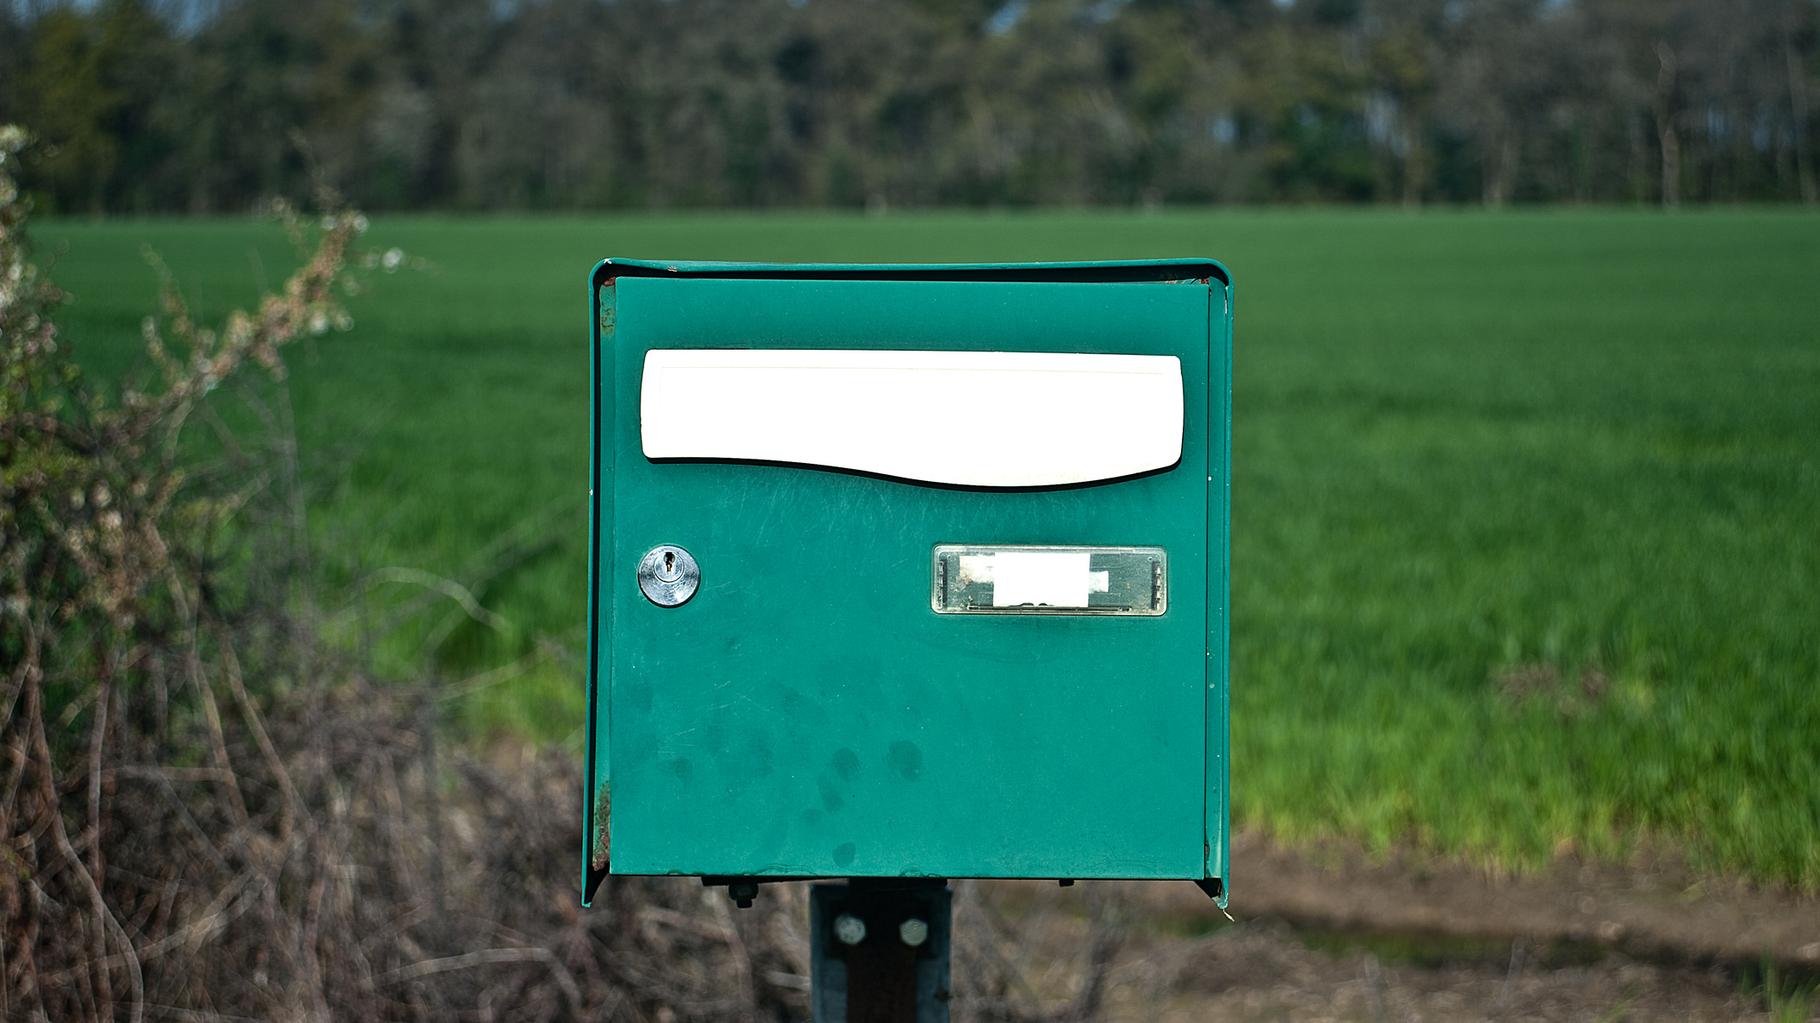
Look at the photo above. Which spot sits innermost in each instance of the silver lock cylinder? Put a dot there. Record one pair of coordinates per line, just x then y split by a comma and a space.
668, 575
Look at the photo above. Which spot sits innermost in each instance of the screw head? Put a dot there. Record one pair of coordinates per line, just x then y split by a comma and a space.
849, 929
913, 931
668, 575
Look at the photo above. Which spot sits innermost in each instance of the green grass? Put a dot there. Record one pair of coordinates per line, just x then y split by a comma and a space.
1527, 506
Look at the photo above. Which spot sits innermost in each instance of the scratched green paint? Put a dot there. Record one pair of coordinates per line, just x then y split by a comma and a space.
807, 714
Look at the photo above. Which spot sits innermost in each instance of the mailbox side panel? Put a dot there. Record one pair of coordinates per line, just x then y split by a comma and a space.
597, 783
1219, 581
808, 714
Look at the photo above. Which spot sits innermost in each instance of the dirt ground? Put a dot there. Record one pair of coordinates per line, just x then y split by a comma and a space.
1332, 934
1655, 908
1268, 972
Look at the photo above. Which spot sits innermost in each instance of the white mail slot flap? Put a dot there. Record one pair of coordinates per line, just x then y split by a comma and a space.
984, 419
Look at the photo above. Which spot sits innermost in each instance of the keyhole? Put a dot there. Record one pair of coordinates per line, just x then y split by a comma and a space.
668, 575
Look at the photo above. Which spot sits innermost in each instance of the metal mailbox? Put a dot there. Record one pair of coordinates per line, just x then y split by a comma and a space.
909, 571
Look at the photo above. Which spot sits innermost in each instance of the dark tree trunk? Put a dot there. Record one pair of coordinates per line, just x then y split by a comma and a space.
1797, 101
1667, 136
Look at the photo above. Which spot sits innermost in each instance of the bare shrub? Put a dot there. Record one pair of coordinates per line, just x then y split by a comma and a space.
209, 813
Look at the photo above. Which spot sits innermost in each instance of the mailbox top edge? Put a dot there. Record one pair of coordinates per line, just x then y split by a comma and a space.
1187, 269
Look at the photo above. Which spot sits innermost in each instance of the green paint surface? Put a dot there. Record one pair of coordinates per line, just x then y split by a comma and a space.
807, 713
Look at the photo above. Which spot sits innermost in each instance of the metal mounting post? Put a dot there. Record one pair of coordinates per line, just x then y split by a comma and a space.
879, 951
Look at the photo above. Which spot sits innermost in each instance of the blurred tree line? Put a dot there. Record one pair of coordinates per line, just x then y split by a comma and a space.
208, 105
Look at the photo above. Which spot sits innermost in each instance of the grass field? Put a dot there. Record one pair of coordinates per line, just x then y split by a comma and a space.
1527, 506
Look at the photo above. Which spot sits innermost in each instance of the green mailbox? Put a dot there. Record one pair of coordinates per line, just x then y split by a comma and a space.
906, 571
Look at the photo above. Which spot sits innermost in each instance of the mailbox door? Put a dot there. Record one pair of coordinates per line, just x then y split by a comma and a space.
807, 713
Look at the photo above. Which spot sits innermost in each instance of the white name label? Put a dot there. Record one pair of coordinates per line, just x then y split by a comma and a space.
989, 419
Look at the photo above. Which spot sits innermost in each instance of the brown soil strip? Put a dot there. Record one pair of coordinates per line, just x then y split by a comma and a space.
1258, 972
1659, 911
